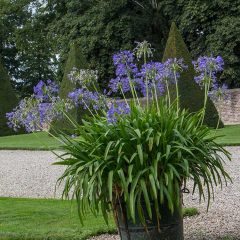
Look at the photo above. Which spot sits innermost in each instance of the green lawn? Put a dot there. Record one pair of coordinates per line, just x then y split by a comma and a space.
32, 141
48, 219
230, 136
25, 219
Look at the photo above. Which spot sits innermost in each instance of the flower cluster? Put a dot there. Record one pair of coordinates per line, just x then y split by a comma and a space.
207, 68
39, 110
218, 93
117, 109
83, 77
150, 79
85, 98
152, 76
143, 49
126, 69
45, 91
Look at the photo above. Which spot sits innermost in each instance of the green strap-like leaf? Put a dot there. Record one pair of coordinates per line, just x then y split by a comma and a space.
110, 184
146, 197
107, 150
140, 153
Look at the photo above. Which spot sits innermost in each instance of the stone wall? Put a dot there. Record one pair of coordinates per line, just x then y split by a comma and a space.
230, 109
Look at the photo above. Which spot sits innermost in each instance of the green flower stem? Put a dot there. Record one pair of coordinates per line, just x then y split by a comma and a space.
177, 92
219, 118
146, 80
65, 114
133, 91
124, 97
168, 93
207, 85
69, 119
156, 97
88, 108
95, 88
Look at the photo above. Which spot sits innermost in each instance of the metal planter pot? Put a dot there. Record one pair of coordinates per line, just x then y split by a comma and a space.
170, 226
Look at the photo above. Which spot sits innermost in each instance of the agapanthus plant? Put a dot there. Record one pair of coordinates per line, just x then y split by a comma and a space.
36, 113
207, 69
136, 154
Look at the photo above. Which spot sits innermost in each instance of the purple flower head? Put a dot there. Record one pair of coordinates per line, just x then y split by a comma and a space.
123, 57
39, 89
209, 64
152, 73
52, 87
34, 114
207, 68
116, 110
126, 71
87, 99
45, 91
119, 83
218, 93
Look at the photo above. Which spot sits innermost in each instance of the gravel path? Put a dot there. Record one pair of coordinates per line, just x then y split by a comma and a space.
30, 174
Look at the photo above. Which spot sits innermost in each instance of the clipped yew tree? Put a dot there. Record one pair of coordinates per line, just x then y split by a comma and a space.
8, 101
191, 95
75, 60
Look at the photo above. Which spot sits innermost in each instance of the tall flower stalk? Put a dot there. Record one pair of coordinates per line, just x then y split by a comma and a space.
207, 69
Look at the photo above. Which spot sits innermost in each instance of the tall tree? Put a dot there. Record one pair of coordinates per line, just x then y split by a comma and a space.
24, 44
213, 27
102, 28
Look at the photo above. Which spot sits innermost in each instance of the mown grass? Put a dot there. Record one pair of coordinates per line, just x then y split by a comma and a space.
228, 136
37, 219
32, 141
48, 219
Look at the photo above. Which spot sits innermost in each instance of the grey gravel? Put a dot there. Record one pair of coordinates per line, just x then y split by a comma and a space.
31, 174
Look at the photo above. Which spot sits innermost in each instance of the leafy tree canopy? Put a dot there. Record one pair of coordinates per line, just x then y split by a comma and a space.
33, 33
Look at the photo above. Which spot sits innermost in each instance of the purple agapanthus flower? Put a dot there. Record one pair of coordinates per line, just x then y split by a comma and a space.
117, 109
152, 73
208, 67
87, 99
119, 83
39, 110
218, 93
126, 70
123, 57
45, 91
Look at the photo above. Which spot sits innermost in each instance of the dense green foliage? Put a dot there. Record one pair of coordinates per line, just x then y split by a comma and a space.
191, 95
212, 27
148, 154
8, 101
104, 26
24, 43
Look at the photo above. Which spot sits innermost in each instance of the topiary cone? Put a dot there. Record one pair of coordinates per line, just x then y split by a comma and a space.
75, 60
191, 95
8, 101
